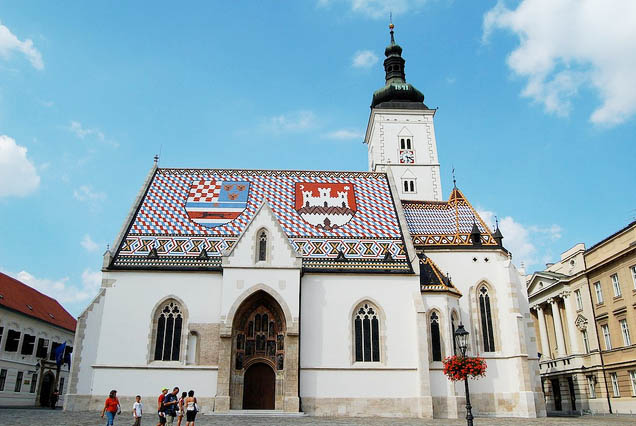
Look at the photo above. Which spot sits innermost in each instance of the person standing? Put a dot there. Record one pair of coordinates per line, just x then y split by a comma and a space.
111, 408
191, 408
161, 408
181, 411
137, 411
170, 403
54, 397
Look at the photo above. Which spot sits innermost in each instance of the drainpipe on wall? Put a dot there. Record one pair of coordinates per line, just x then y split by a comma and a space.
598, 342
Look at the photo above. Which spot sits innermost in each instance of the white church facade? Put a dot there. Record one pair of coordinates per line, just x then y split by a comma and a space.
323, 292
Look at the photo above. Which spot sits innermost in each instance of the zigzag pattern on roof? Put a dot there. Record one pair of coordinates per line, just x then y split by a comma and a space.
445, 223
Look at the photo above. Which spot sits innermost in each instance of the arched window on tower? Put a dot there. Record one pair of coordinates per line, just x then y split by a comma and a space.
488, 335
408, 143
262, 246
169, 320
366, 333
436, 341
402, 143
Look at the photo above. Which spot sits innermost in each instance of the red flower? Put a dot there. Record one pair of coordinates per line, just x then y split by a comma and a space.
459, 368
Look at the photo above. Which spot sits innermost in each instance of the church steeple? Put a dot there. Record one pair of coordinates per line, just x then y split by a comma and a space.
396, 93
394, 63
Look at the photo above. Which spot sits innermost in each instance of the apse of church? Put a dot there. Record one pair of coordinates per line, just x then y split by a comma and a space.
330, 293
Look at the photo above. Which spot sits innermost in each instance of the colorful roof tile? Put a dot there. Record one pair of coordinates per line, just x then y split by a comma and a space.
445, 223
432, 279
322, 213
19, 297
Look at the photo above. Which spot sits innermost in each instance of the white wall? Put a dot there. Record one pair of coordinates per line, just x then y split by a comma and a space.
130, 303
326, 357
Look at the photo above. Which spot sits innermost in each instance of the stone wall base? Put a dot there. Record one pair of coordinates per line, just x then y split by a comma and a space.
502, 404
364, 407
448, 407
75, 402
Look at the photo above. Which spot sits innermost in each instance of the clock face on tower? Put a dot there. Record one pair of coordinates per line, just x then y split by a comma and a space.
407, 156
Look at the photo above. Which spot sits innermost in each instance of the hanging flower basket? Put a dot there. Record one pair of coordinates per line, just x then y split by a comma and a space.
459, 368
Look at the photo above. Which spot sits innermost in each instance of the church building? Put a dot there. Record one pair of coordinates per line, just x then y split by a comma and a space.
323, 292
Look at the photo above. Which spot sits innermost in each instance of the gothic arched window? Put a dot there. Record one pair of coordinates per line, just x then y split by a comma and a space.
436, 341
454, 323
169, 320
367, 333
485, 314
262, 246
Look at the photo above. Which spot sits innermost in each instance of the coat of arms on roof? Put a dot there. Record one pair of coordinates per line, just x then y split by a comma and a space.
325, 205
213, 203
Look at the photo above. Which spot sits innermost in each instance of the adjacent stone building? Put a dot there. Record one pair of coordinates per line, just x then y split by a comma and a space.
584, 309
332, 293
611, 276
32, 326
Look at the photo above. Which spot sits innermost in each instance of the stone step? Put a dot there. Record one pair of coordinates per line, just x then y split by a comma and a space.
260, 413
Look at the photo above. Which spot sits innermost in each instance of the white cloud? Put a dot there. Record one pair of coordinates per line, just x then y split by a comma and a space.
344, 134
88, 243
567, 45
378, 9
527, 243
81, 132
364, 59
9, 43
296, 121
18, 176
61, 290
87, 193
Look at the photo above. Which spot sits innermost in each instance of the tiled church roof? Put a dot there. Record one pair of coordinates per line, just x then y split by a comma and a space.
432, 279
185, 211
445, 223
18, 296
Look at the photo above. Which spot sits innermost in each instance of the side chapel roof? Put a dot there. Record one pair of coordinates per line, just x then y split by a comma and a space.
445, 224
337, 221
19, 297
432, 279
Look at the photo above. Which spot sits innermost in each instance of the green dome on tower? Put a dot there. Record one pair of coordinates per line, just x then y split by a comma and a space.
396, 93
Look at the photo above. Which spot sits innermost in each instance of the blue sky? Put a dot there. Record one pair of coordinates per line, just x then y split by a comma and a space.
536, 111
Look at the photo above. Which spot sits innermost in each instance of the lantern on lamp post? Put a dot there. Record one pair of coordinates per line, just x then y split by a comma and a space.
461, 340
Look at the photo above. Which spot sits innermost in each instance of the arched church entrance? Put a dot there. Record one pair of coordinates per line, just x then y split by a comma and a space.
46, 389
258, 354
259, 387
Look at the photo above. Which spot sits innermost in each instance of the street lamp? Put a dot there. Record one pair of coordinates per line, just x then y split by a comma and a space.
461, 339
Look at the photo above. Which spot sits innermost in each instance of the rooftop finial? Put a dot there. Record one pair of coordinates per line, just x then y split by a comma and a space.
496, 222
156, 158
391, 26
454, 180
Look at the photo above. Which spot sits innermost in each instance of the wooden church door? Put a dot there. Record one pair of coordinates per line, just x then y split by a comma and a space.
259, 387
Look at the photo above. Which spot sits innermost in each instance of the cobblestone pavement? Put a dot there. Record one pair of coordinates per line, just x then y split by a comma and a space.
41, 417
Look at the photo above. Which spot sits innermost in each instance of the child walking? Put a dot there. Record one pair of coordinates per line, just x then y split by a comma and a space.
137, 411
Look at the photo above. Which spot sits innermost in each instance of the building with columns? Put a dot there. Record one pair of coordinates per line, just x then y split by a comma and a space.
331, 293
584, 310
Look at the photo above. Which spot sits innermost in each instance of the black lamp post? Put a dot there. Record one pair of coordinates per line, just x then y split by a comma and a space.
461, 339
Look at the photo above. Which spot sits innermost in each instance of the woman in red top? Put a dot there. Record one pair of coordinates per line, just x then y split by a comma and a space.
111, 407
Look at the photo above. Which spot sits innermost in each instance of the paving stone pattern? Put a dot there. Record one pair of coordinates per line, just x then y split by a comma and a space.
41, 417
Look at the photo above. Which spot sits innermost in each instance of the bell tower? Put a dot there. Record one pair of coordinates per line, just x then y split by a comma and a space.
401, 135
